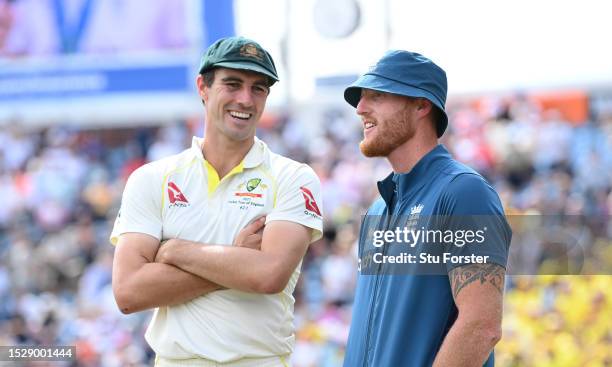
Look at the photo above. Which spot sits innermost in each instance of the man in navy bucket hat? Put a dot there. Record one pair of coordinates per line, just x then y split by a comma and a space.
445, 308
408, 74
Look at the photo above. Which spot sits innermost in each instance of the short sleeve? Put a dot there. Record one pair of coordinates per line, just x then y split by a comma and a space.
472, 211
140, 205
299, 201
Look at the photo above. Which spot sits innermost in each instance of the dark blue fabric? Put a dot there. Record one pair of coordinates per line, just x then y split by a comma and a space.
406, 74
401, 320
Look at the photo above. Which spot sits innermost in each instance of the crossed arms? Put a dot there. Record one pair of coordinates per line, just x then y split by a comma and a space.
262, 260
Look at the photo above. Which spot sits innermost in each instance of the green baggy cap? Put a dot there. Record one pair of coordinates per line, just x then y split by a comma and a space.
239, 53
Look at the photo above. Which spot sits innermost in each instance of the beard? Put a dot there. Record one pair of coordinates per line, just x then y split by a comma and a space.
390, 134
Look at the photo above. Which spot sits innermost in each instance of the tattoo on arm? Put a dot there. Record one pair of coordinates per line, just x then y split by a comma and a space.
464, 275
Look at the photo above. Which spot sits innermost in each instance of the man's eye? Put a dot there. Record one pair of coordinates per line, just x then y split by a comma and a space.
260, 90
233, 85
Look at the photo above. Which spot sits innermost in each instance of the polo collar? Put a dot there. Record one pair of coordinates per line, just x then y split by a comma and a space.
428, 164
255, 156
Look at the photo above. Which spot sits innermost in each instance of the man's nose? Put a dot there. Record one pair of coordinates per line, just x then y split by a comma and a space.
362, 107
245, 97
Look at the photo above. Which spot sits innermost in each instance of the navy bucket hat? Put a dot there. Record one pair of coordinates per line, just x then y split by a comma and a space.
407, 74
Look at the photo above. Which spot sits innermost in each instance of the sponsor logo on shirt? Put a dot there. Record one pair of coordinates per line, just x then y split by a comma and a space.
176, 196
310, 202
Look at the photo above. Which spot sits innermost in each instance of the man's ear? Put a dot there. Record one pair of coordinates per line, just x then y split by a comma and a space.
424, 106
202, 88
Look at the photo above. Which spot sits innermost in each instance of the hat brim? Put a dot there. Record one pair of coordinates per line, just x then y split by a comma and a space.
246, 66
352, 94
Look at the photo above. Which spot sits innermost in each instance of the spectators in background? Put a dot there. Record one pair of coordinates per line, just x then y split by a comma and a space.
61, 187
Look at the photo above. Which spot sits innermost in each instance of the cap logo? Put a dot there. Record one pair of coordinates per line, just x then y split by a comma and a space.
250, 50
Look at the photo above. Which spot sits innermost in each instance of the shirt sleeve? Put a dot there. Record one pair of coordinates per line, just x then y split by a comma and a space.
472, 212
299, 201
140, 205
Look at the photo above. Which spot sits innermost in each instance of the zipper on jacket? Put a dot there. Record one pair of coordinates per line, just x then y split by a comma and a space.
386, 221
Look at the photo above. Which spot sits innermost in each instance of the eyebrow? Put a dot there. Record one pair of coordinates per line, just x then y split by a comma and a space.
232, 79
262, 82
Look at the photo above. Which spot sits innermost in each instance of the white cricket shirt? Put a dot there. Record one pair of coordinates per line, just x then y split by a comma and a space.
182, 197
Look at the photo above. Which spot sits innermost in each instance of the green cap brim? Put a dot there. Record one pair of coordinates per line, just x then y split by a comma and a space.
246, 66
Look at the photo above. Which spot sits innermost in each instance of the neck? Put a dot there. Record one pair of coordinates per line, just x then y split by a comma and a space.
407, 155
224, 154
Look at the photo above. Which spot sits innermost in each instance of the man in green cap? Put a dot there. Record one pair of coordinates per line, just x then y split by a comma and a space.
213, 237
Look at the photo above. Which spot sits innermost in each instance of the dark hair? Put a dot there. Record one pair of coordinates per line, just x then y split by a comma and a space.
209, 77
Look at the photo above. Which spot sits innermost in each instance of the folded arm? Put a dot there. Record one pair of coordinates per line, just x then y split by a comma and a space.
139, 283
267, 270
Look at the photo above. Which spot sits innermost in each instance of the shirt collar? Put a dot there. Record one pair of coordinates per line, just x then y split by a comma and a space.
425, 167
253, 158
401, 183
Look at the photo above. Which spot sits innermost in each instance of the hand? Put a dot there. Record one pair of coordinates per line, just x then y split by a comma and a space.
250, 236
165, 248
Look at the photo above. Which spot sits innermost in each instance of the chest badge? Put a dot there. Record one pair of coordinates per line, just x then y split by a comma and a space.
413, 218
417, 209
252, 184
255, 190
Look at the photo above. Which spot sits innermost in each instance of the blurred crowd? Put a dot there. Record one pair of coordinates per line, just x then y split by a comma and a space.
62, 186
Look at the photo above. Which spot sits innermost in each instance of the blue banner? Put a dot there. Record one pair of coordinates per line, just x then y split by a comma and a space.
218, 20
94, 81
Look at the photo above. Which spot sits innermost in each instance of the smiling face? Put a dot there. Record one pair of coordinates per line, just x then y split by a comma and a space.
388, 122
234, 103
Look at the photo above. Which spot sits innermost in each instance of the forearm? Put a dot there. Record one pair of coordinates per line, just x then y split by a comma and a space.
467, 344
230, 266
156, 285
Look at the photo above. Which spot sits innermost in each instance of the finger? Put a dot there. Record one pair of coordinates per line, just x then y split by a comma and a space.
252, 241
256, 225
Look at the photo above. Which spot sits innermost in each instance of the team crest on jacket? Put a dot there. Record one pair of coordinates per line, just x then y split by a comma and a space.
176, 196
415, 214
310, 202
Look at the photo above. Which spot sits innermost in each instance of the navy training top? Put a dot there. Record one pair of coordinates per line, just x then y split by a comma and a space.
401, 318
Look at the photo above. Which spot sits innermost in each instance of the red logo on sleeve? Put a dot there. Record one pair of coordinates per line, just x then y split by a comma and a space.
175, 194
309, 201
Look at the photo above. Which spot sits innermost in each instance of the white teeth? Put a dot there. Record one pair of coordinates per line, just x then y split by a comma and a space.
369, 125
240, 115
